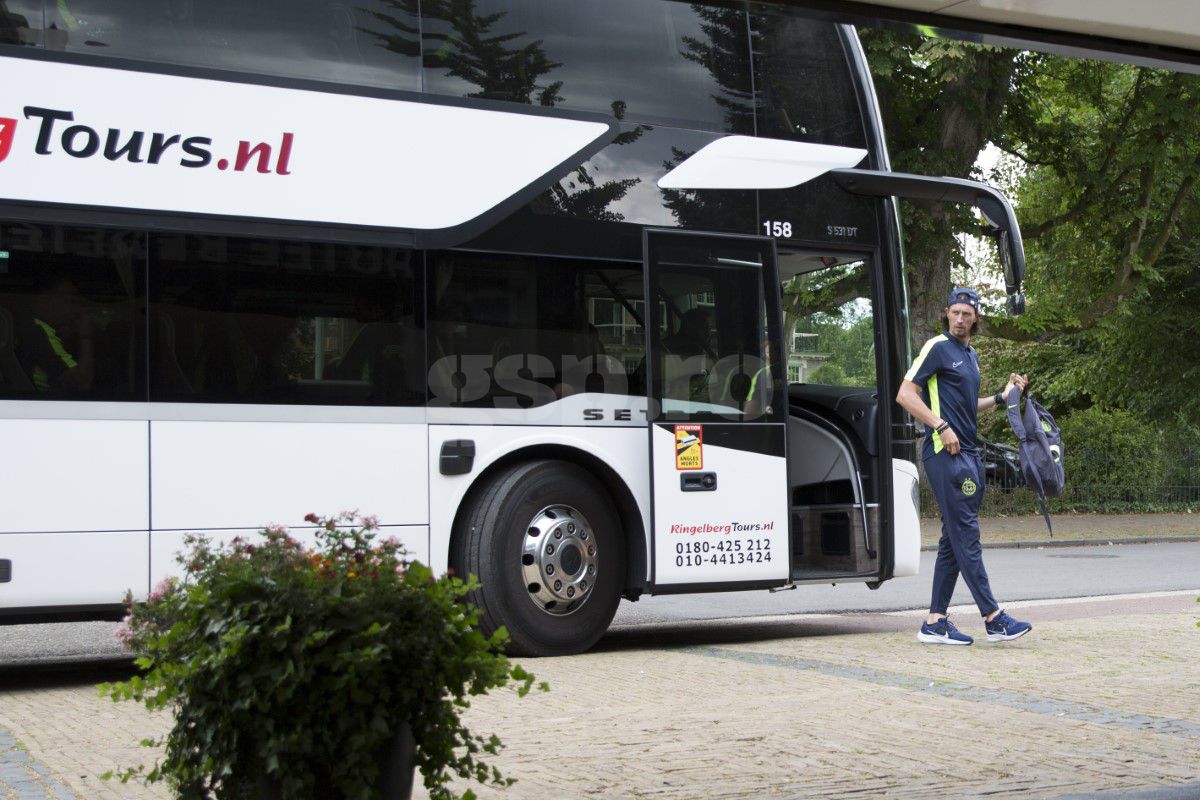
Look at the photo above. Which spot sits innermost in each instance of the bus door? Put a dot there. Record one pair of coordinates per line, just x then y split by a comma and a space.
716, 411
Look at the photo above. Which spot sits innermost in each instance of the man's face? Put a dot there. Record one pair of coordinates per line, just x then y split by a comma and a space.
961, 317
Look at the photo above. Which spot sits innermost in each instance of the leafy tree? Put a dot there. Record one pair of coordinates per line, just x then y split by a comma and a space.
1103, 164
1111, 158
942, 102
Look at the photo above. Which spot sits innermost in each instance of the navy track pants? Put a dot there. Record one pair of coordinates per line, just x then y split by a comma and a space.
957, 483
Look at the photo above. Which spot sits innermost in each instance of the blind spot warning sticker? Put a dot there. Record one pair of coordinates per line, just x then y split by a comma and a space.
689, 444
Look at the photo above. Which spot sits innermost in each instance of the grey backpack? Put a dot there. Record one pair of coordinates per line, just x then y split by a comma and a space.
1040, 447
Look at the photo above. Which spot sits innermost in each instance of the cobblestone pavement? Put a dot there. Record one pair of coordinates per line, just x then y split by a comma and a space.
1103, 695
22, 778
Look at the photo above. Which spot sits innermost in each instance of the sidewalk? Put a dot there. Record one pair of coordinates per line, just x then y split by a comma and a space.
1031, 530
1102, 695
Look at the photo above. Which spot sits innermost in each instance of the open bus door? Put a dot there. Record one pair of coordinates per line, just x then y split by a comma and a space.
718, 438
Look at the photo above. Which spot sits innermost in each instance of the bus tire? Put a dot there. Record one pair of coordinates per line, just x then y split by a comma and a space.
547, 546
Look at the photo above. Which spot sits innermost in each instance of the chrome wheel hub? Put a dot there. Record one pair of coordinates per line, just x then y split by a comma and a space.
559, 560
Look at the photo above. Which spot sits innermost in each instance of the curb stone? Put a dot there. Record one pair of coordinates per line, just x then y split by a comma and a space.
1183, 791
1095, 542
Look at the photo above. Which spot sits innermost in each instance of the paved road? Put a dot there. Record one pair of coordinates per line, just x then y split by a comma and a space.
1015, 575
1095, 699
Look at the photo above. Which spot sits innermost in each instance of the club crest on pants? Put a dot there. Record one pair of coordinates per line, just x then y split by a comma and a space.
968, 487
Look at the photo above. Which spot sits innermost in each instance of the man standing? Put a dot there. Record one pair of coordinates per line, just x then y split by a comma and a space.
941, 390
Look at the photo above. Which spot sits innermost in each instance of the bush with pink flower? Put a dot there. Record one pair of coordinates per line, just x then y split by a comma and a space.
296, 666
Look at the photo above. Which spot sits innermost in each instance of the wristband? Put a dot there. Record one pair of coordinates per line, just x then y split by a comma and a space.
941, 427
999, 398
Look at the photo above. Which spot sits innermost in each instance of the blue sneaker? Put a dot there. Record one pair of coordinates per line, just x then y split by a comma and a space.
942, 632
1004, 628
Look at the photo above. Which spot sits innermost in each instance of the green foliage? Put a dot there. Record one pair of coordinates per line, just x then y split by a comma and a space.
1115, 463
850, 348
300, 664
1110, 447
832, 303
1103, 165
942, 102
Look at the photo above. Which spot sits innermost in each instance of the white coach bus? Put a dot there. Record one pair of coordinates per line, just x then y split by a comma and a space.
526, 279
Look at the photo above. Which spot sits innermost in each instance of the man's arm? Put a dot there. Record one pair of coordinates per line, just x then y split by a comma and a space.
988, 403
909, 398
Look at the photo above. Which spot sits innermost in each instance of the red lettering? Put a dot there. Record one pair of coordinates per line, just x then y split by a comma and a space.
285, 155
8, 130
245, 152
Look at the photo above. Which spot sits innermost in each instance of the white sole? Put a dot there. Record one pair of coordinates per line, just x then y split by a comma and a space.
1003, 637
929, 638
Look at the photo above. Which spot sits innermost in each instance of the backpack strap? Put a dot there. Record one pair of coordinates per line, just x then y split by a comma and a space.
1045, 513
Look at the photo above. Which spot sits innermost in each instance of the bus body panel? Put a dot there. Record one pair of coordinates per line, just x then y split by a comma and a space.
272, 153
226, 463
73, 475
738, 531
209, 475
906, 522
165, 546
622, 449
73, 569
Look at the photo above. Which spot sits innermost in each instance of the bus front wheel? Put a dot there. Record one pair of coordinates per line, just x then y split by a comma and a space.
548, 549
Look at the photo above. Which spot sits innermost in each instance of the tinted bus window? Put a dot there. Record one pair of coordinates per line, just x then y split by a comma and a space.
805, 89
658, 61
261, 321
20, 21
367, 42
523, 331
71, 304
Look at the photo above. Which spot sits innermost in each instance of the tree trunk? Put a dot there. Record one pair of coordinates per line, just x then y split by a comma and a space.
965, 118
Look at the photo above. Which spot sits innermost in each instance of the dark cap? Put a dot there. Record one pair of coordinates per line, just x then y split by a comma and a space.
964, 295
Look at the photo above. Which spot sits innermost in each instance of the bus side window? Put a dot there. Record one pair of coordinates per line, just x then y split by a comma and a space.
20, 21
70, 313
532, 330
366, 42
261, 321
594, 55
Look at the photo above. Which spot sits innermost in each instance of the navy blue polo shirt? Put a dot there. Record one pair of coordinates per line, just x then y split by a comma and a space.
948, 373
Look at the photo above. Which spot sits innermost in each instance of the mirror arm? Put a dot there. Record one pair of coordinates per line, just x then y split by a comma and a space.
992, 204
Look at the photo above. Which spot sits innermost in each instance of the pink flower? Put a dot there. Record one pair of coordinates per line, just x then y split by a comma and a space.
163, 588
313, 518
123, 634
370, 522
275, 529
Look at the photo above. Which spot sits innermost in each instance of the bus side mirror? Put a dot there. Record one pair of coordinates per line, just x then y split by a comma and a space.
994, 206
1010, 248
1016, 304
1012, 276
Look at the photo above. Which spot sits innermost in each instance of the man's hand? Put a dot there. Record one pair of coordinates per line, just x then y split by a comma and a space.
1016, 381
950, 441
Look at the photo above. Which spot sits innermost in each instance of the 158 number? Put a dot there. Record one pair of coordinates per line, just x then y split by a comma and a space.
778, 229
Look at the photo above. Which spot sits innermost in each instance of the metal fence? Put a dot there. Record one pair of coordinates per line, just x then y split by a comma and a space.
1099, 481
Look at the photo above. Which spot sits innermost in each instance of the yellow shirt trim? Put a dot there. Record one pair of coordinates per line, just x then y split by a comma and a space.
916, 365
